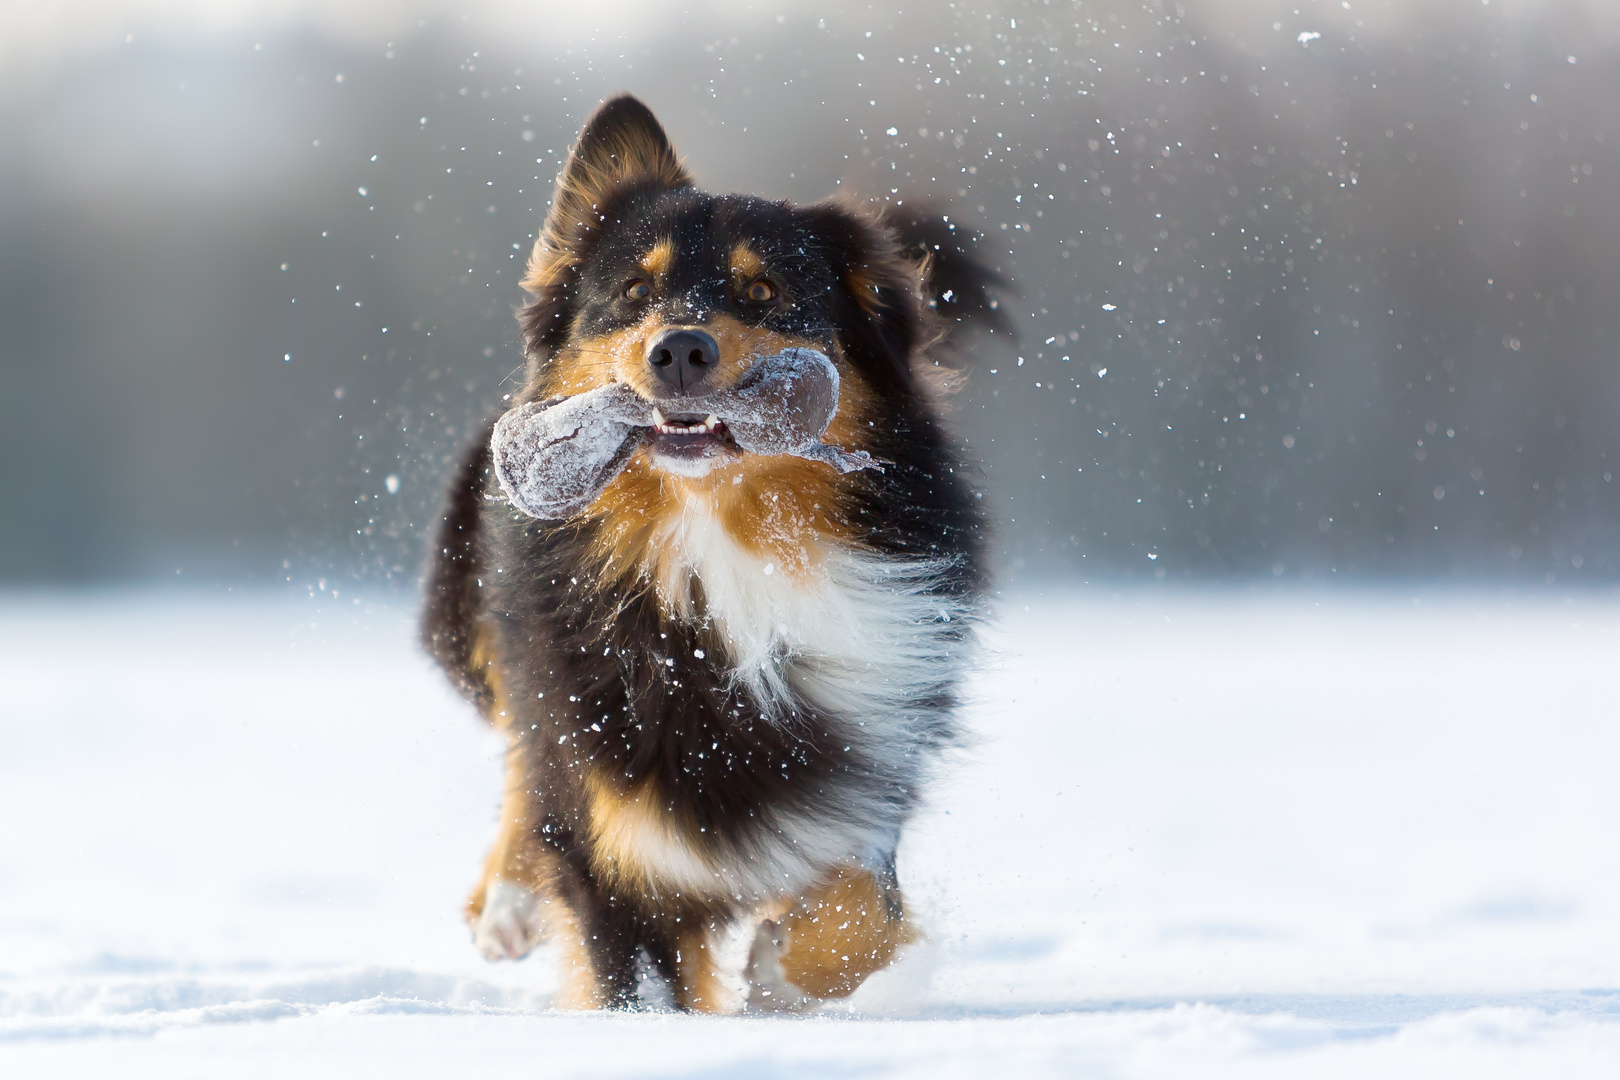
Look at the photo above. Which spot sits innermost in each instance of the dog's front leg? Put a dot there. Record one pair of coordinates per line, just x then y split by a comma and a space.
507, 910
528, 894
699, 984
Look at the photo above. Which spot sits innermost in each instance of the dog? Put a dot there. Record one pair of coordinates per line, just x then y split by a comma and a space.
724, 682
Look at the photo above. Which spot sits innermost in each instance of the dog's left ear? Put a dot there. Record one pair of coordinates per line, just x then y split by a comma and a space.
621, 150
879, 291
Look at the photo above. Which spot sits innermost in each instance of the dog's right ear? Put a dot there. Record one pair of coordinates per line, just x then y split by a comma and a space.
620, 150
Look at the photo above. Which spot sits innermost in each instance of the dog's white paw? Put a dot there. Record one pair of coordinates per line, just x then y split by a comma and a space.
768, 988
511, 924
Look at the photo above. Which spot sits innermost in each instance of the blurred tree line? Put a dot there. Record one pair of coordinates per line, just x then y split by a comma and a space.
1294, 296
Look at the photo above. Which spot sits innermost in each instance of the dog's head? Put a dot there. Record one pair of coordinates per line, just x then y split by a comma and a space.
640, 278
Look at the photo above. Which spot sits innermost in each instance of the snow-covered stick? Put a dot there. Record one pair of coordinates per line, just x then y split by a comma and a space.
783, 406
553, 458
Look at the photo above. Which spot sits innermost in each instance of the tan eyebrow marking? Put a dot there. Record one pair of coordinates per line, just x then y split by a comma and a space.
659, 258
746, 265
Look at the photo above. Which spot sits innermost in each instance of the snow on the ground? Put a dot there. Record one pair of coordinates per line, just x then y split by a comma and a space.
1217, 833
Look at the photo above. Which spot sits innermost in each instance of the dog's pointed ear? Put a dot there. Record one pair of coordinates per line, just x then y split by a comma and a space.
621, 149
879, 295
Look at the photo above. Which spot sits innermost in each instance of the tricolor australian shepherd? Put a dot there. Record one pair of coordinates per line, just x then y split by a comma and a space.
725, 681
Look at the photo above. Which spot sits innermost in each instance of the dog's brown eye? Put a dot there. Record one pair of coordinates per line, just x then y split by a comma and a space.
761, 291
637, 290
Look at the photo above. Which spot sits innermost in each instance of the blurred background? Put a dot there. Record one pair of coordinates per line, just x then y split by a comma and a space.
1302, 290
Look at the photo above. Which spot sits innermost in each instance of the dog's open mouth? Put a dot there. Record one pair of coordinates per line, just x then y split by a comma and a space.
689, 435
554, 457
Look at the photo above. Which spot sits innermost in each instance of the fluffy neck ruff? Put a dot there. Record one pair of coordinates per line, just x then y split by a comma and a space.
841, 630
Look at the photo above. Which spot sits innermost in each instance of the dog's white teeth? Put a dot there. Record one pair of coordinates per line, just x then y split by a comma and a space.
664, 426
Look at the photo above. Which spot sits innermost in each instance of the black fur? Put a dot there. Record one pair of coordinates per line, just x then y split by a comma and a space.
603, 675
960, 285
452, 582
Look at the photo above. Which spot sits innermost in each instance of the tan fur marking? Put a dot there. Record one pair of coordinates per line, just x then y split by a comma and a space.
516, 855
548, 266
746, 266
699, 986
635, 842
939, 383
777, 508
481, 658
864, 285
581, 989
886, 266
634, 511
779, 511
632, 156
840, 933
587, 363
659, 258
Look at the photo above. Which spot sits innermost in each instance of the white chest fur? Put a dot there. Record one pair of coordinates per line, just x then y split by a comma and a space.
851, 631
863, 640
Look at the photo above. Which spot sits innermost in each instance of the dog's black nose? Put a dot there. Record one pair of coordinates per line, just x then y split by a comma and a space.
683, 360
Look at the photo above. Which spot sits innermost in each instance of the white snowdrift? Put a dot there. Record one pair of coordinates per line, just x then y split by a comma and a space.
1202, 834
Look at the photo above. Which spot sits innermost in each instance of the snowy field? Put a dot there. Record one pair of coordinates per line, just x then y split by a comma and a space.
1203, 834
